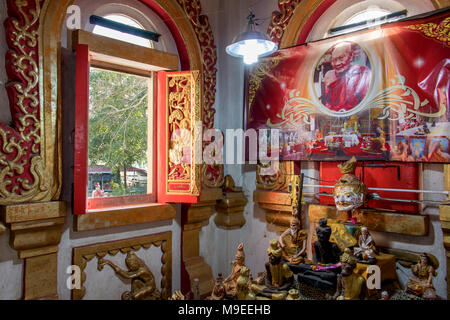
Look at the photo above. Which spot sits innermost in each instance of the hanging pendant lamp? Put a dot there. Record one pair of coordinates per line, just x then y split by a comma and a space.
251, 44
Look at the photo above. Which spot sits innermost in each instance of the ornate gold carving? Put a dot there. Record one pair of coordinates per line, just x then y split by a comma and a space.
82, 255
143, 286
277, 182
440, 32
20, 147
280, 19
184, 111
213, 175
205, 37
257, 74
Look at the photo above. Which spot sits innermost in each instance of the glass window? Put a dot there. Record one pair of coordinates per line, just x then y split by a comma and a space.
102, 31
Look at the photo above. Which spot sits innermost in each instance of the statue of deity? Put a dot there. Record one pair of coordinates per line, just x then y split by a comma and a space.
143, 286
421, 283
350, 286
279, 279
230, 283
293, 242
349, 192
366, 249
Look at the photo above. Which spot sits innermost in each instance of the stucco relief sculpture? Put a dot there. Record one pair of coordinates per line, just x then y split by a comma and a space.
143, 286
421, 283
279, 279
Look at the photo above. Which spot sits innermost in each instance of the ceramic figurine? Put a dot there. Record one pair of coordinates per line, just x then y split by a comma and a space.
293, 295
421, 283
293, 242
243, 285
366, 249
350, 286
239, 262
219, 289
384, 295
278, 279
349, 192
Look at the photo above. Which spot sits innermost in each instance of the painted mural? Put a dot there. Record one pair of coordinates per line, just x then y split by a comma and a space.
377, 94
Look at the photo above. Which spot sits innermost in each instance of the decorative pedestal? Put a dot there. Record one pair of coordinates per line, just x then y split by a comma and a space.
277, 205
194, 217
230, 211
35, 234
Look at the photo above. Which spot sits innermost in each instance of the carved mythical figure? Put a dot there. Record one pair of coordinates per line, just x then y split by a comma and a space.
279, 279
349, 192
143, 286
366, 249
421, 284
229, 185
230, 282
350, 286
293, 242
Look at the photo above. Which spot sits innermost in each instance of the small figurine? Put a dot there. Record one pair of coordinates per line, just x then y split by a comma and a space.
349, 192
243, 284
293, 295
143, 286
177, 295
366, 250
219, 289
293, 242
421, 284
279, 278
350, 286
384, 295
229, 185
239, 262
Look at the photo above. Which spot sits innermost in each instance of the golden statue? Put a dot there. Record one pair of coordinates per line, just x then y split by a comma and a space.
293, 295
350, 286
293, 242
230, 282
279, 278
143, 286
421, 284
349, 192
177, 295
229, 185
243, 285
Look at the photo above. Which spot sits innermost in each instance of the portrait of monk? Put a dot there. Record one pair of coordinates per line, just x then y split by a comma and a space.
347, 83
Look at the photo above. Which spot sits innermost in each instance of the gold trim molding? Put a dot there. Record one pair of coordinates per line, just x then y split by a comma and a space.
82, 255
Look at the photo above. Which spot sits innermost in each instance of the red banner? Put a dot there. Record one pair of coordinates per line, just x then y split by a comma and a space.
378, 94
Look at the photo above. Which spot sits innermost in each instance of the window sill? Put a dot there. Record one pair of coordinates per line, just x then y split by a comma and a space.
118, 217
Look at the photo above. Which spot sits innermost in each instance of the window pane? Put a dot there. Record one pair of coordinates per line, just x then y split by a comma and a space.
110, 33
118, 134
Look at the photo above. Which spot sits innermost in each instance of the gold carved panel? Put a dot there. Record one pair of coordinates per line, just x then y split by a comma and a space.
82, 255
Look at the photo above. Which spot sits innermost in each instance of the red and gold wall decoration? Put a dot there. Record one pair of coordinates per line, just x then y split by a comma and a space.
379, 94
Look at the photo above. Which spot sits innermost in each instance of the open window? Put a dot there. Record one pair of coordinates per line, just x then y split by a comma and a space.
131, 147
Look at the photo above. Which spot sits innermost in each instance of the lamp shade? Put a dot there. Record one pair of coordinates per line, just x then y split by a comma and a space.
250, 45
